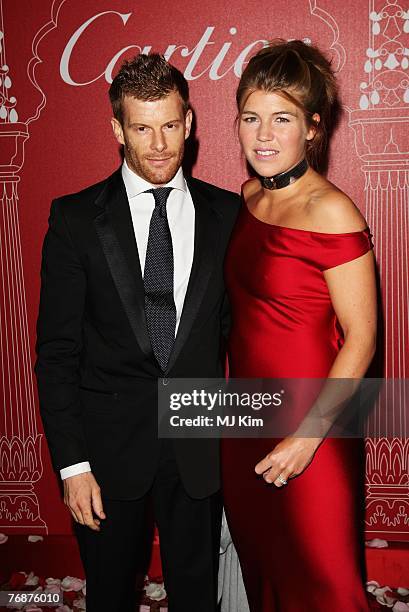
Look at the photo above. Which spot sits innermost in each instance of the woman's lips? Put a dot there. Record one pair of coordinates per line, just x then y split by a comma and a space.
266, 154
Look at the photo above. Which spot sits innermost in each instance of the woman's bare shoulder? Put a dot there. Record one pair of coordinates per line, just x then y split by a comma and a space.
333, 211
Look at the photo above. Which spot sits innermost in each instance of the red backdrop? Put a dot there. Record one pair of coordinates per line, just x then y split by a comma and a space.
57, 58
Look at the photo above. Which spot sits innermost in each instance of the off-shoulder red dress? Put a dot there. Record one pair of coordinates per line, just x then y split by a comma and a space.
300, 546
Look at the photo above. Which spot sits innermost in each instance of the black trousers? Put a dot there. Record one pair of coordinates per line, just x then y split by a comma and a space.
189, 532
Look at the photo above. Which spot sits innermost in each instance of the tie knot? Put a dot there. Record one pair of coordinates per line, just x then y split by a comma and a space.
160, 194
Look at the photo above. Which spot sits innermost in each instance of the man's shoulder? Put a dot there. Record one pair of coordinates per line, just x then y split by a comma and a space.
221, 199
86, 196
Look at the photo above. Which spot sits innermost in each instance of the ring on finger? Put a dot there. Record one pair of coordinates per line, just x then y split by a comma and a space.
281, 479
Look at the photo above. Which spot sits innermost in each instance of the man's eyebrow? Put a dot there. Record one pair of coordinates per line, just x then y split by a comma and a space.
141, 124
173, 121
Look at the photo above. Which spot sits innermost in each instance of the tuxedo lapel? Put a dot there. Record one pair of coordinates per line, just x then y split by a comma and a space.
207, 234
114, 227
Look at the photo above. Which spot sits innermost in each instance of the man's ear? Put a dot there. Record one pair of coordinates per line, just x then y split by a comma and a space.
188, 123
118, 131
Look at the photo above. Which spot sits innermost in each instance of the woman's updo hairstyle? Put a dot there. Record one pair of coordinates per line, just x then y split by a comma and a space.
302, 74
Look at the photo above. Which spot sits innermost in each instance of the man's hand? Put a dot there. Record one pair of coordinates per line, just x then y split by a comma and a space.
82, 495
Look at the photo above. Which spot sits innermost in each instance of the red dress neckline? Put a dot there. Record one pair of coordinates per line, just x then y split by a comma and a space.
296, 229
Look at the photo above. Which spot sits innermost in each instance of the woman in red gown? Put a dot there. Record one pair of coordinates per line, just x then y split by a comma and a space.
300, 278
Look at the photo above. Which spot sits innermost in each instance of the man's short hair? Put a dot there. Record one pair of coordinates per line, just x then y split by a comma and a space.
147, 77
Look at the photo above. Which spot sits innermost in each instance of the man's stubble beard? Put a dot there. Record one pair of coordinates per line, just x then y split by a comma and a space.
152, 175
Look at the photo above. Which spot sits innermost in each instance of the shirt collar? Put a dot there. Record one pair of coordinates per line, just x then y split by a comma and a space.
135, 185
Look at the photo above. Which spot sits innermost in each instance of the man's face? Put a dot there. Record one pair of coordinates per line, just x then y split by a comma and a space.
153, 134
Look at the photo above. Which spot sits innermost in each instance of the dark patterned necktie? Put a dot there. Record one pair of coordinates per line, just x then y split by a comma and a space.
160, 306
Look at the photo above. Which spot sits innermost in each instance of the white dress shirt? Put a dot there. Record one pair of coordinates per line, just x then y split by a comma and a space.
181, 219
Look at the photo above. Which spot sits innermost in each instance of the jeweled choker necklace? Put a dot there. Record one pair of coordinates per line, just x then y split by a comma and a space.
278, 181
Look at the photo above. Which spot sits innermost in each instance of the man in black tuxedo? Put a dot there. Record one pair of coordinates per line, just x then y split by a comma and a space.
132, 293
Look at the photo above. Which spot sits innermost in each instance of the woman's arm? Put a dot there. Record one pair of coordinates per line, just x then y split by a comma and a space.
352, 289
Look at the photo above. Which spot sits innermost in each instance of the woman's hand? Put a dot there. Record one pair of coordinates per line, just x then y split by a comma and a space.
288, 459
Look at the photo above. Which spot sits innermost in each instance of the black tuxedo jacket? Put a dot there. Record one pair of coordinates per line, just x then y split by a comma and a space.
96, 372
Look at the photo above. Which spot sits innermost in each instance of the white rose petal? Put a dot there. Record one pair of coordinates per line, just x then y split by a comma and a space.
381, 591
72, 584
390, 601
155, 591
31, 579
403, 591
52, 581
400, 607
382, 598
376, 543
35, 538
372, 585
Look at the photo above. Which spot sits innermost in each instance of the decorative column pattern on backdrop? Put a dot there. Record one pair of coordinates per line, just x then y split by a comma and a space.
381, 127
20, 442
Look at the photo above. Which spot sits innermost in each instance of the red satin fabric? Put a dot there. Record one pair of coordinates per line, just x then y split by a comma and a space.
300, 546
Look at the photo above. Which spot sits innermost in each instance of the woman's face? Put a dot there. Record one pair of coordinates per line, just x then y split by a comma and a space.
273, 133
